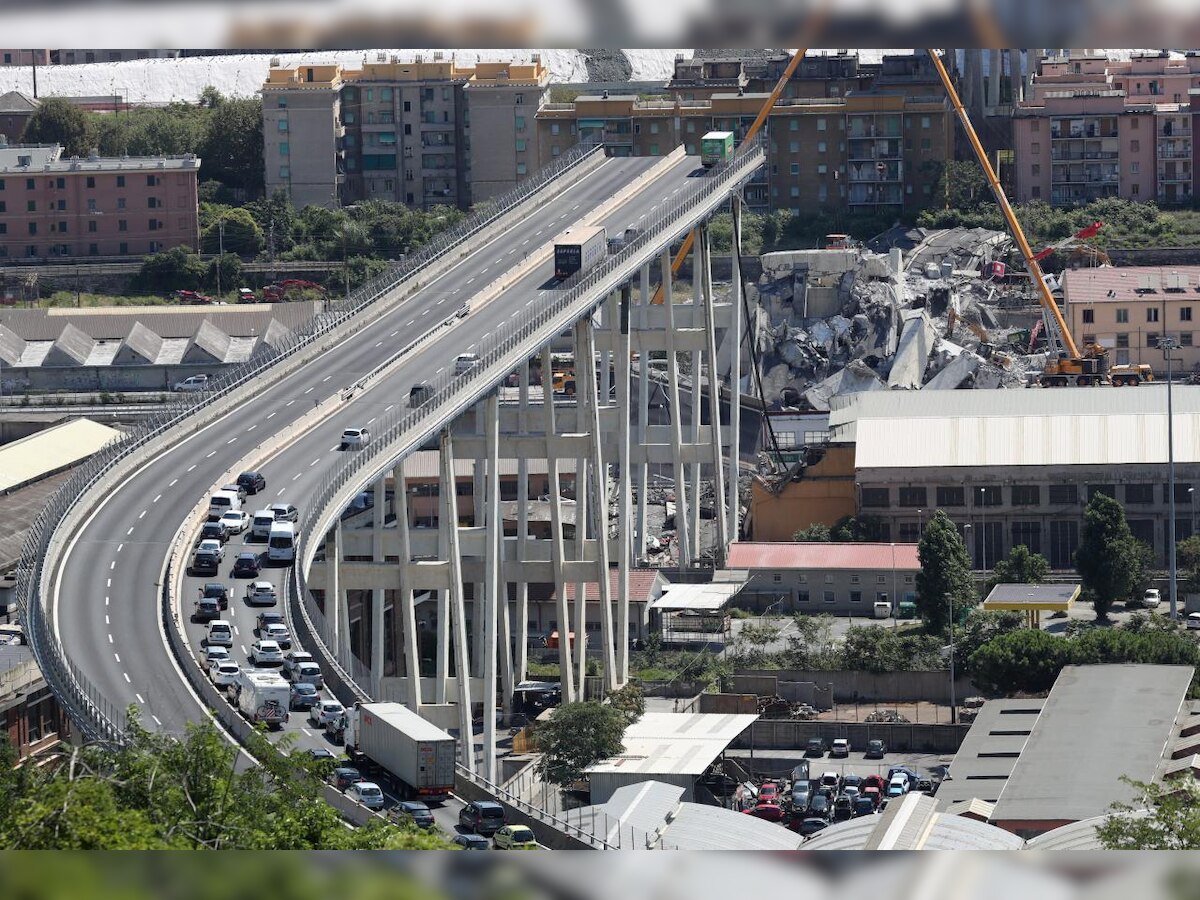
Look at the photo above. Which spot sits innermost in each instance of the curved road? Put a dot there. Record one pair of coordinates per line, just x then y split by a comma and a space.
105, 603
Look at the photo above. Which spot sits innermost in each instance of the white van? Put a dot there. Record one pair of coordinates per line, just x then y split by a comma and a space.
222, 502
260, 525
220, 633
281, 543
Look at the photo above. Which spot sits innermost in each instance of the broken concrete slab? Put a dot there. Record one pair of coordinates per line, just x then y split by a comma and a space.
912, 353
855, 378
959, 369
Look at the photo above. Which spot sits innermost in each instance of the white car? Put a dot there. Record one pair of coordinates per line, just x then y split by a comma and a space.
191, 383
368, 793
278, 633
353, 438
1151, 598
465, 362
225, 673
235, 521
212, 545
1193, 620
840, 747
325, 712
213, 655
260, 593
266, 653
294, 658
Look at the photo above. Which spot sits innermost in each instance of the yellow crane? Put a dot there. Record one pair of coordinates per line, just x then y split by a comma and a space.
1073, 368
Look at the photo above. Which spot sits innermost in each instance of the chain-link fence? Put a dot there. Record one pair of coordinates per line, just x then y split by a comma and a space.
91, 712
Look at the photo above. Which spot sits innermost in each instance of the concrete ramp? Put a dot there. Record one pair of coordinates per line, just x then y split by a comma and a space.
72, 348
209, 346
12, 346
141, 347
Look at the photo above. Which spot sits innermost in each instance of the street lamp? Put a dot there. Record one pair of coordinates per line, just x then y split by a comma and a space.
1192, 500
953, 702
982, 529
1167, 344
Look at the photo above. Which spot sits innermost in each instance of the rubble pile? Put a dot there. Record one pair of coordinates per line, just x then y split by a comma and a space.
932, 317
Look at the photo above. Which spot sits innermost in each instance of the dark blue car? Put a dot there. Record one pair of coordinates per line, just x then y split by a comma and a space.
304, 696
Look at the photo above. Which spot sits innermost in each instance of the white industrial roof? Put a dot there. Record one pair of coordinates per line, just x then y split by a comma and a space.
675, 743
51, 450
1103, 426
711, 596
913, 824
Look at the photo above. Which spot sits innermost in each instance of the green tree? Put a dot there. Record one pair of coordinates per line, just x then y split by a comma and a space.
242, 234
175, 269
811, 644
945, 575
630, 700
1109, 561
59, 121
869, 648
232, 147
1021, 566
230, 268
1023, 661
860, 529
814, 533
1165, 817
961, 184
577, 737
978, 628
275, 215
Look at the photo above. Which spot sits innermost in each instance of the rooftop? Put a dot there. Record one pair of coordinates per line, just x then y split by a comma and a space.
818, 555
711, 596
675, 743
913, 823
1032, 596
986, 758
1131, 284
51, 450
1071, 765
27, 159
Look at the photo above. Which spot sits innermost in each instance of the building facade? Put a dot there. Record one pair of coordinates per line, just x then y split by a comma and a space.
1130, 310
401, 131
52, 207
1094, 128
16, 109
24, 57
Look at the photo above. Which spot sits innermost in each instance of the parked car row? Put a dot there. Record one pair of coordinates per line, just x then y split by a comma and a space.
841, 749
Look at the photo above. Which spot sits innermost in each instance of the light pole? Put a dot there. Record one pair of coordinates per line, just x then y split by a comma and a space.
953, 701
982, 530
1192, 500
1167, 344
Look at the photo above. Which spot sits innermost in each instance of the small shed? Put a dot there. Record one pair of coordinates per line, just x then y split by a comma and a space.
1032, 599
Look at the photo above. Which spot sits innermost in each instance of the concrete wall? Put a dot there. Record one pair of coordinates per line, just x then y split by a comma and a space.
849, 686
789, 734
546, 834
104, 378
728, 704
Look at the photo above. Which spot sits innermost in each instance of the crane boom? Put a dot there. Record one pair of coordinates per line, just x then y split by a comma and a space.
757, 124
1031, 262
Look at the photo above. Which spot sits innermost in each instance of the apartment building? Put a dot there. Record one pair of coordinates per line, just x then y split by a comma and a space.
401, 131
52, 207
1095, 128
24, 57
1130, 309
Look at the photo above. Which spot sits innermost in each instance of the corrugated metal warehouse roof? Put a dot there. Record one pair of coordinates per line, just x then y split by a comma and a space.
51, 450
113, 323
819, 555
710, 596
675, 743
913, 824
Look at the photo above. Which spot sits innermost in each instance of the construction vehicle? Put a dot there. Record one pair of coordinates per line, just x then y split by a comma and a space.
1068, 365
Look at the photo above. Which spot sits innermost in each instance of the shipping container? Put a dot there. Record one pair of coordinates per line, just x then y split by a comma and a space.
578, 249
418, 755
716, 147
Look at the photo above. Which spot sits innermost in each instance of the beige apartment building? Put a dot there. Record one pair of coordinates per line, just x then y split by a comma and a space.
1130, 309
52, 207
424, 134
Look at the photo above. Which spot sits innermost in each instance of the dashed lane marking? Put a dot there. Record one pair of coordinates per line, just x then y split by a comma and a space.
127, 681
139, 698
156, 499
192, 467
310, 390
129, 532
210, 454
157, 721
327, 377
230, 441
251, 428
143, 515
272, 415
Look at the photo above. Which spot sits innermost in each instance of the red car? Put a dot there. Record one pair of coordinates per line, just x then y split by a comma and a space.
768, 793
876, 781
771, 812
192, 298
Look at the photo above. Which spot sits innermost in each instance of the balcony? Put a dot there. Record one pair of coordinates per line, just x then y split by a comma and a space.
1066, 156
1085, 179
1165, 177
1174, 151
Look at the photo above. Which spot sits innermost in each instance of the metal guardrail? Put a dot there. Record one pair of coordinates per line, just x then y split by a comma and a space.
91, 712
449, 386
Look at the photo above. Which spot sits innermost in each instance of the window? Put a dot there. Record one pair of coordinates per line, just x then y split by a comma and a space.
1035, 125
152, 224
1181, 492
1134, 146
370, 94
283, 123
1108, 490
91, 181
793, 146
794, 191
1035, 191
285, 172
122, 225
520, 145
822, 169
820, 123
1, 184
1151, 338
554, 129
1135, 167
1122, 316
1089, 338
151, 181
31, 206
1136, 189
1035, 170
876, 497
912, 496
519, 123
1152, 314
801, 596
989, 495
28, 181
93, 249
1139, 493
385, 93
829, 597
33, 227
1185, 314
822, 147
408, 129
1089, 317
951, 496
555, 150
1026, 495
856, 596
1123, 341
910, 532
91, 226
1185, 339
925, 123
3, 228
925, 145
795, 168
284, 148
521, 169
1029, 534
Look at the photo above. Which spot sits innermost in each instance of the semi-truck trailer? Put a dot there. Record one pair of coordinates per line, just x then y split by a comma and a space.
263, 697
578, 249
417, 755
716, 147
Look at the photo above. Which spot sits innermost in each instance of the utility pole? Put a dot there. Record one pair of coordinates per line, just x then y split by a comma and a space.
1168, 344
953, 700
271, 248
220, 252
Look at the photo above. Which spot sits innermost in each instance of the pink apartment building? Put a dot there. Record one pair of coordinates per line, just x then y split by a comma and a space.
1092, 128
52, 207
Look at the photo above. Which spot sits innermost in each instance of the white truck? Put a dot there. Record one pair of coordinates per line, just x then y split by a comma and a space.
389, 740
263, 697
578, 249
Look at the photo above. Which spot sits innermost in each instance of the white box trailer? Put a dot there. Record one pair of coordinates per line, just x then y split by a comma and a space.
263, 697
578, 249
417, 754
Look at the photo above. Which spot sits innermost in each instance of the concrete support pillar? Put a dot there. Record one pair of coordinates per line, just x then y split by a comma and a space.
477, 505
735, 375
333, 589
625, 542
520, 663
697, 405
495, 594
995, 73
566, 675
446, 525
582, 501
683, 539
377, 596
643, 413
412, 644
449, 519
345, 653
704, 266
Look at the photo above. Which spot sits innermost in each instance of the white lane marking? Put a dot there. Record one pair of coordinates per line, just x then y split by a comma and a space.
210, 454
500, 259
280, 494
425, 313
112, 565
524, 242
327, 377
370, 420
393, 334
191, 467
484, 272
413, 322
439, 371
109, 583
127, 681
157, 721
389, 408
273, 415
106, 601
116, 656
379, 344
531, 299
314, 462
244, 650
307, 732
129, 532
230, 441
139, 698
174, 481
143, 515
334, 448
106, 622
294, 477
251, 428
120, 546
289, 403
440, 302
310, 390
156, 499
469, 280
110, 640
235, 631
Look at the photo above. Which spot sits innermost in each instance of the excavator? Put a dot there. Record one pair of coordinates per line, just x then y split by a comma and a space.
1068, 366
